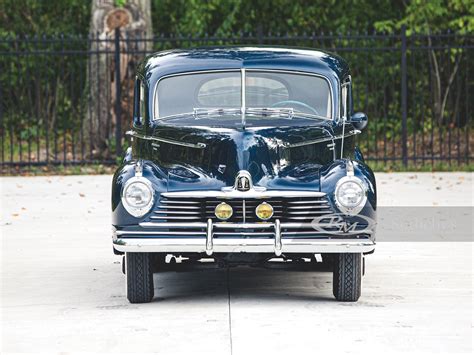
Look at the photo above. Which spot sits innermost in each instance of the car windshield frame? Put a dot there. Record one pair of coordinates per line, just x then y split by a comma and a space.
243, 109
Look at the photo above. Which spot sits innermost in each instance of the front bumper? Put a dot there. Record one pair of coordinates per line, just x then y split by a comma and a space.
158, 241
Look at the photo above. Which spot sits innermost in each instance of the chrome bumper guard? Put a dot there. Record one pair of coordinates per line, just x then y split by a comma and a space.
204, 242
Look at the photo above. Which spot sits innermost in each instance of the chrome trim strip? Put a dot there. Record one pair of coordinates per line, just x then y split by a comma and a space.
319, 140
189, 233
172, 225
181, 207
192, 213
244, 226
317, 207
302, 225
307, 201
242, 194
244, 234
164, 140
226, 225
248, 245
178, 201
176, 217
307, 217
309, 213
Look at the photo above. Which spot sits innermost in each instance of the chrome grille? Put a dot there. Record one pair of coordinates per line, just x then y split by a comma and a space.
290, 209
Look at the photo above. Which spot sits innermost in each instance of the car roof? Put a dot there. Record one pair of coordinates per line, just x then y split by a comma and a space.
177, 61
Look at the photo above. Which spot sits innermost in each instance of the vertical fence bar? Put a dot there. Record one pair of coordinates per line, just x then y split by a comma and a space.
118, 103
2, 126
404, 96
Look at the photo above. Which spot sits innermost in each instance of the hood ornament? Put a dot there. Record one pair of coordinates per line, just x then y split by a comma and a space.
243, 181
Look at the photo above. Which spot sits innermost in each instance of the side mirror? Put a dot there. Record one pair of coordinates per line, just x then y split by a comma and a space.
359, 120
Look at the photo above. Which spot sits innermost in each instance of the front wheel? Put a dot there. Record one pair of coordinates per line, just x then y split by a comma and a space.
139, 277
347, 276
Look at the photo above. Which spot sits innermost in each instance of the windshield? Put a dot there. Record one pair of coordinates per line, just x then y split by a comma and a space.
265, 94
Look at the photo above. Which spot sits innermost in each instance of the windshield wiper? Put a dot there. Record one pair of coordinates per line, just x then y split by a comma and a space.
281, 112
200, 111
311, 116
284, 112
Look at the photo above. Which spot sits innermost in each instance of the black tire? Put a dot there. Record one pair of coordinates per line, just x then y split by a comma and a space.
347, 277
139, 277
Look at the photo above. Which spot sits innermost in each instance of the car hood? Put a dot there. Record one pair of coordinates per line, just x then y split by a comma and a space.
210, 158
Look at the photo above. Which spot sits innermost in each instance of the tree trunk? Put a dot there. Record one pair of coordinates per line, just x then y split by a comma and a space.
134, 21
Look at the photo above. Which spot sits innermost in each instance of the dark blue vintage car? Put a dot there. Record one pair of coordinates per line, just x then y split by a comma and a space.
245, 156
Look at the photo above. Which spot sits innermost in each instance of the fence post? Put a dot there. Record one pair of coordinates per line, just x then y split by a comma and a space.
404, 96
118, 96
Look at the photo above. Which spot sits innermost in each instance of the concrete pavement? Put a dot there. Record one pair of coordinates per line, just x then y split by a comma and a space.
62, 289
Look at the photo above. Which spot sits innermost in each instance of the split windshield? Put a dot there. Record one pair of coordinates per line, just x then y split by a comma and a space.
266, 93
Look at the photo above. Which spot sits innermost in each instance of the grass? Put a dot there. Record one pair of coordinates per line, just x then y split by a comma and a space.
89, 169
427, 167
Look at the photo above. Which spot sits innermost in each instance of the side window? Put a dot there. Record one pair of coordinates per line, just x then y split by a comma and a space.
139, 109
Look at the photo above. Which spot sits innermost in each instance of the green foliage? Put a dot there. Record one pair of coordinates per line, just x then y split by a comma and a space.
224, 17
44, 17
426, 16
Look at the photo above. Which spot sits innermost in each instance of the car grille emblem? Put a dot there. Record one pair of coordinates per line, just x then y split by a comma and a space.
243, 181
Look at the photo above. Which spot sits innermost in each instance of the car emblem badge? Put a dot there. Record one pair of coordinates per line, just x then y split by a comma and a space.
243, 182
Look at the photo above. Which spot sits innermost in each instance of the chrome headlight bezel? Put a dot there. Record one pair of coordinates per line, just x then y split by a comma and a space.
134, 210
350, 210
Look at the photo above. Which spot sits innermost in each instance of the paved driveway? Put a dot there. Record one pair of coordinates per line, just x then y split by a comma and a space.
62, 289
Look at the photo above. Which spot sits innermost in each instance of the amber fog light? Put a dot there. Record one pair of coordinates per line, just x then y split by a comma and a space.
223, 211
264, 211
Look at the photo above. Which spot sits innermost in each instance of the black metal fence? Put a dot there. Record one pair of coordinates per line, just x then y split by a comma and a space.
68, 99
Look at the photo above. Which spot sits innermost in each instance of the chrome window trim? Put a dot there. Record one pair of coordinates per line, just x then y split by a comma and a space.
154, 116
164, 140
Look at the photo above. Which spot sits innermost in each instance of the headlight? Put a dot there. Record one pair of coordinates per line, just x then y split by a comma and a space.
137, 196
223, 211
350, 195
264, 211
